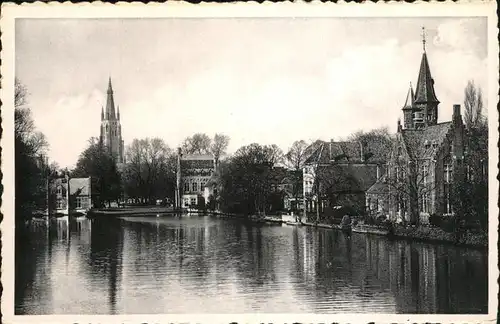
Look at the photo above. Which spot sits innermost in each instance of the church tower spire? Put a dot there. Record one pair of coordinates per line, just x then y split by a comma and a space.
110, 103
425, 96
111, 135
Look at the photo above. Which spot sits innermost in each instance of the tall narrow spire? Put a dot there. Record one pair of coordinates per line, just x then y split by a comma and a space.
425, 84
110, 103
102, 112
423, 38
118, 112
110, 88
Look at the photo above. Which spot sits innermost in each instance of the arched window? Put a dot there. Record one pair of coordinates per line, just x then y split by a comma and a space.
448, 180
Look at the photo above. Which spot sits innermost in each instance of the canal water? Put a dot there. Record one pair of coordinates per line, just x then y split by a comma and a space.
208, 265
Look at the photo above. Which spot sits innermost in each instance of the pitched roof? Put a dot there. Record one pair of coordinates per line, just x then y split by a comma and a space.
348, 177
410, 99
313, 158
346, 152
424, 143
379, 187
425, 84
197, 161
77, 186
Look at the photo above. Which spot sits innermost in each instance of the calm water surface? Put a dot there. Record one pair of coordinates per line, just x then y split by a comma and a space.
208, 265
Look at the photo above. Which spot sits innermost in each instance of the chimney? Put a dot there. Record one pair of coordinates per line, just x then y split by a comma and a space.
456, 113
362, 151
378, 171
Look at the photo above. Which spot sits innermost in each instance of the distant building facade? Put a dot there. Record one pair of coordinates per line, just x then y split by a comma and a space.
426, 159
111, 129
194, 172
80, 195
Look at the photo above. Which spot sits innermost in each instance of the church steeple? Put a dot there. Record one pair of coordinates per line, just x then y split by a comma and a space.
425, 96
110, 103
111, 132
425, 84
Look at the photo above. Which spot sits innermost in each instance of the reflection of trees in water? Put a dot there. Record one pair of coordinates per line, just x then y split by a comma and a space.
106, 253
373, 267
461, 280
32, 257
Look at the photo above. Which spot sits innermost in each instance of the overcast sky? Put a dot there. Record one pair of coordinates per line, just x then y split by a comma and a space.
256, 80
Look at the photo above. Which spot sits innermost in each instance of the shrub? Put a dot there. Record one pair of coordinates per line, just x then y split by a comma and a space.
435, 220
448, 224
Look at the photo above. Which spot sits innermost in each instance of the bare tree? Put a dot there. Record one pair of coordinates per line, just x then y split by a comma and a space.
150, 169
473, 102
219, 146
296, 155
199, 143
20, 94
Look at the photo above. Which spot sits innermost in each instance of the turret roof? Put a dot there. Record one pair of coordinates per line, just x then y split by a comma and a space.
425, 84
410, 99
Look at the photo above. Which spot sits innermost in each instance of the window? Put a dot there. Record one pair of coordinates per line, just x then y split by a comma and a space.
397, 173
59, 190
78, 202
195, 186
193, 201
448, 172
425, 202
448, 179
425, 171
186, 202
186, 187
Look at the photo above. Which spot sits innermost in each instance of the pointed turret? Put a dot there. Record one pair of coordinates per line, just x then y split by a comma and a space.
410, 99
110, 103
118, 112
425, 84
426, 102
102, 113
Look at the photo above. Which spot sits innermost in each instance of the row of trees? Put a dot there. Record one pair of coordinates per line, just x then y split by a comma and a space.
31, 167
150, 169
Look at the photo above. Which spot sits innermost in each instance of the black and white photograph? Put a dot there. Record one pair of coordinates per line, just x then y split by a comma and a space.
196, 161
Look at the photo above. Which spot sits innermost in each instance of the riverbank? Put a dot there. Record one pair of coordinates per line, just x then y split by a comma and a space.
420, 233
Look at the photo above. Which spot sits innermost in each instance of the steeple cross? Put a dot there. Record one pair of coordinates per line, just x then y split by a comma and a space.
423, 37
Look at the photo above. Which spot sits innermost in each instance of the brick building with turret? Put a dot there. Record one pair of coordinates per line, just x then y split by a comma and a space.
426, 159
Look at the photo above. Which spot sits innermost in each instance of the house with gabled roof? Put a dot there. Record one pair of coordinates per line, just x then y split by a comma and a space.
425, 161
339, 173
79, 195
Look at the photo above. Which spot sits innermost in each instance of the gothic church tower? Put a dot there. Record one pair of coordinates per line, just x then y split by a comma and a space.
111, 129
421, 108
